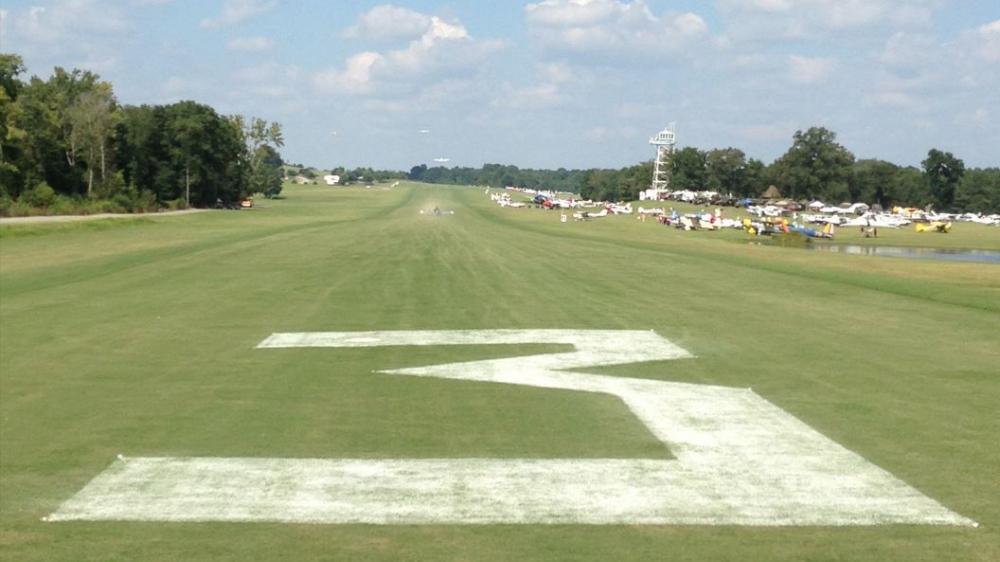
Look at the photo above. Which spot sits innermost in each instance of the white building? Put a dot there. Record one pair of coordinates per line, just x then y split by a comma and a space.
331, 179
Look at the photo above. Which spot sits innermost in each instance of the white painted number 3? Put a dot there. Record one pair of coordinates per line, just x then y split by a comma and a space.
740, 460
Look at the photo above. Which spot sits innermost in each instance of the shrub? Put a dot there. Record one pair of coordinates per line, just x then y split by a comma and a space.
20, 209
145, 201
123, 201
64, 206
112, 185
42, 195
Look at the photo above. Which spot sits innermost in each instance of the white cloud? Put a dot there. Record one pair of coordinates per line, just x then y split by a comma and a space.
912, 15
833, 13
70, 33
756, 20
907, 50
355, 78
389, 22
772, 6
250, 44
421, 51
598, 26
442, 50
555, 72
544, 92
66, 18
238, 11
571, 13
986, 41
807, 70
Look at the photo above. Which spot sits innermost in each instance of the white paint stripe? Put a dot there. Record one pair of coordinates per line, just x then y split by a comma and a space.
740, 460
457, 491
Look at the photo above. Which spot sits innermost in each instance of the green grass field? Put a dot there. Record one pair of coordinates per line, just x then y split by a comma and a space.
138, 336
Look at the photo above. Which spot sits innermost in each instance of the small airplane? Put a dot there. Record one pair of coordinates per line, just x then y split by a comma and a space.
587, 215
424, 131
442, 160
936, 226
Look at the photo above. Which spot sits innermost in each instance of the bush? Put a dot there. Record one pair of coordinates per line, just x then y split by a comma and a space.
5, 204
42, 195
112, 186
145, 201
177, 204
20, 209
123, 201
65, 206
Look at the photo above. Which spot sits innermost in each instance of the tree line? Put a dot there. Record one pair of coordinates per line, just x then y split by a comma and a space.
816, 166
500, 175
67, 145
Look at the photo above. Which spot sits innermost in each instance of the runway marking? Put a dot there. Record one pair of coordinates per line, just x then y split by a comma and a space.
740, 460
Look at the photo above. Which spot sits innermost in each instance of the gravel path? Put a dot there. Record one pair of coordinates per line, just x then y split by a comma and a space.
72, 218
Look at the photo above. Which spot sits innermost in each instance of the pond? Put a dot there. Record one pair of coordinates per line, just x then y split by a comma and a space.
944, 254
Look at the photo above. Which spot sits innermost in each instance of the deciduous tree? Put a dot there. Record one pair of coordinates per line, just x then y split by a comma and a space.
815, 166
943, 173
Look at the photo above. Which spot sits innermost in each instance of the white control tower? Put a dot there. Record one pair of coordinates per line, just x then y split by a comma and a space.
664, 141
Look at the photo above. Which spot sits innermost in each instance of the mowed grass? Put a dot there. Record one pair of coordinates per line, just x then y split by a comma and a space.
138, 337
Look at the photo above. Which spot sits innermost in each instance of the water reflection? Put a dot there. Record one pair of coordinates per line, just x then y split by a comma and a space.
945, 254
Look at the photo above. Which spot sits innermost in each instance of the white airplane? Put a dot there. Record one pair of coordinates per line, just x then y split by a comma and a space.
587, 216
424, 131
442, 160
878, 221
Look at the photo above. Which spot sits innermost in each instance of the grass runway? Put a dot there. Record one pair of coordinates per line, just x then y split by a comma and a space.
137, 337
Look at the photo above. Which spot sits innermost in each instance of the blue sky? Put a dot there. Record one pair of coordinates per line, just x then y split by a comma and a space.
546, 83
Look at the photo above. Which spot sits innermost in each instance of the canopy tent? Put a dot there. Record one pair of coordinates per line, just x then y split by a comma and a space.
771, 193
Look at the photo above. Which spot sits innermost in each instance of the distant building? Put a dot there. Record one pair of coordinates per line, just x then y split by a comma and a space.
331, 179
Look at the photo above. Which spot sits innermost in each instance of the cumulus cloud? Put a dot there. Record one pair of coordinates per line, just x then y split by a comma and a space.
809, 70
355, 78
609, 26
808, 19
237, 11
250, 44
555, 72
80, 33
66, 18
572, 13
544, 92
442, 50
986, 41
389, 22
908, 50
